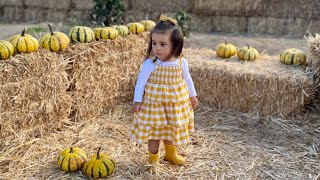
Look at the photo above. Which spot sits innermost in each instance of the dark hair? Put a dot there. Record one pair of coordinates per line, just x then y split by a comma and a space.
176, 38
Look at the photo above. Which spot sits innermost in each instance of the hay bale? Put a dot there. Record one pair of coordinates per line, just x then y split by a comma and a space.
33, 94
264, 87
78, 16
218, 7
41, 91
163, 6
271, 25
103, 73
82, 4
11, 14
56, 4
11, 3
313, 43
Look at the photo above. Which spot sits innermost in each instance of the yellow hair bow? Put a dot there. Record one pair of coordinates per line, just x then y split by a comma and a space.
165, 18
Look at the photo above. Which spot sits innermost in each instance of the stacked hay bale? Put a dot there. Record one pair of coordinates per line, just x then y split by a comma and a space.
264, 86
103, 73
42, 91
33, 96
313, 43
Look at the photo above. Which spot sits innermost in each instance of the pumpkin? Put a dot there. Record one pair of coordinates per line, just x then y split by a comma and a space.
148, 25
136, 28
54, 41
122, 30
292, 56
24, 43
72, 159
105, 33
81, 34
100, 165
226, 50
6, 49
248, 53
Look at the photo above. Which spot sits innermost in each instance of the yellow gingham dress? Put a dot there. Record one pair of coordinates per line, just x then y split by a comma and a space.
167, 112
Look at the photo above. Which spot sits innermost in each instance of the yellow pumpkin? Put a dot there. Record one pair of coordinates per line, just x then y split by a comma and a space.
54, 41
81, 34
24, 43
136, 28
148, 25
226, 50
292, 56
100, 165
105, 33
72, 159
122, 30
248, 53
6, 49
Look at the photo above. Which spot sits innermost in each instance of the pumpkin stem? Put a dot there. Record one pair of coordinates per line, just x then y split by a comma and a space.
147, 16
103, 25
248, 46
98, 153
71, 150
24, 30
225, 41
50, 29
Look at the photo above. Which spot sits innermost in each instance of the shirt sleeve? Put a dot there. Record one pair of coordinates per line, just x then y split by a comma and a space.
186, 76
145, 72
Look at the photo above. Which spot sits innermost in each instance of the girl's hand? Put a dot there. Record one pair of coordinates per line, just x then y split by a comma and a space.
194, 102
137, 107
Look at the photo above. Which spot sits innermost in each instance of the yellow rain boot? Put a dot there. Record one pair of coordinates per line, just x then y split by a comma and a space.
172, 155
154, 160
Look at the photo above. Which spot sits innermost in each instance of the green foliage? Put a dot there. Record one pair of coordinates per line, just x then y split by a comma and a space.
36, 29
108, 11
182, 18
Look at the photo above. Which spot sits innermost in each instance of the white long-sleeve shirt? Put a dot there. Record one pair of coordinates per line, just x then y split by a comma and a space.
149, 66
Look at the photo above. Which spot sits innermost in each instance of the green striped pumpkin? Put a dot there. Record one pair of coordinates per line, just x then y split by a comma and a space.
6, 50
72, 159
99, 166
148, 24
247, 53
122, 30
81, 34
54, 41
226, 50
292, 56
24, 43
105, 33
136, 28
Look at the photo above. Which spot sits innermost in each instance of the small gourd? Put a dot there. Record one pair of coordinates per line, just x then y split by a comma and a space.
24, 43
247, 53
72, 159
6, 49
105, 33
99, 166
81, 34
54, 41
148, 25
292, 56
136, 28
226, 50
122, 30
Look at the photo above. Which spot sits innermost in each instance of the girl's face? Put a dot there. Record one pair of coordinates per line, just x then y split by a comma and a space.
161, 45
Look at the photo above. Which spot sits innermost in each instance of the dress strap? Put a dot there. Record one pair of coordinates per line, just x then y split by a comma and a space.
180, 61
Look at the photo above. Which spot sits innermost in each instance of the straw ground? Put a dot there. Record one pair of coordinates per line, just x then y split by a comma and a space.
226, 145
